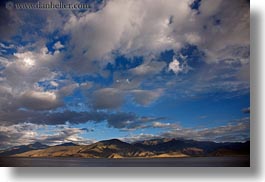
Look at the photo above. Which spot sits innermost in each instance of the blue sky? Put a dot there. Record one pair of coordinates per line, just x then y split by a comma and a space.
133, 70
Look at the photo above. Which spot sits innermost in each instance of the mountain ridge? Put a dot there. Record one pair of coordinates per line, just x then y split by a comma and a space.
155, 148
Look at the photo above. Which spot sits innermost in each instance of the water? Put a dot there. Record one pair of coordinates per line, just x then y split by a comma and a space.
242, 161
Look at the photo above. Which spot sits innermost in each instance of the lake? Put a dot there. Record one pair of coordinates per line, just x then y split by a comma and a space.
242, 161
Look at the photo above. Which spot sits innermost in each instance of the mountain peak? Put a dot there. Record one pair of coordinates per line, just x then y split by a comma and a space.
112, 141
37, 145
67, 144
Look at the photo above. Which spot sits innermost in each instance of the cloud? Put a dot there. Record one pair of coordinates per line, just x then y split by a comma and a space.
64, 135
140, 137
175, 66
236, 132
208, 7
35, 99
219, 133
113, 98
39, 100
9, 21
26, 133
21, 116
193, 38
58, 45
145, 28
130, 27
122, 120
158, 124
146, 97
17, 135
107, 98
22, 76
233, 29
119, 120
149, 68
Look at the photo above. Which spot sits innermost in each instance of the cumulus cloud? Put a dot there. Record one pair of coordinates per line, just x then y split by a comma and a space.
35, 99
145, 27
39, 100
175, 66
21, 76
131, 27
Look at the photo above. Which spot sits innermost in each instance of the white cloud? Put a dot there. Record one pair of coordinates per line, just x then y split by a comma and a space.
54, 83
20, 79
158, 124
131, 27
147, 27
175, 66
58, 45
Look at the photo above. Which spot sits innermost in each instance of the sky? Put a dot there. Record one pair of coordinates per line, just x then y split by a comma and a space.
132, 70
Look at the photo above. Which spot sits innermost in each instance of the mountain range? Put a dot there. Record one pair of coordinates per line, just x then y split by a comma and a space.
115, 148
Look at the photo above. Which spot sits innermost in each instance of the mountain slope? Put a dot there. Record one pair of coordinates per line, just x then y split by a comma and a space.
161, 148
194, 148
23, 148
104, 149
